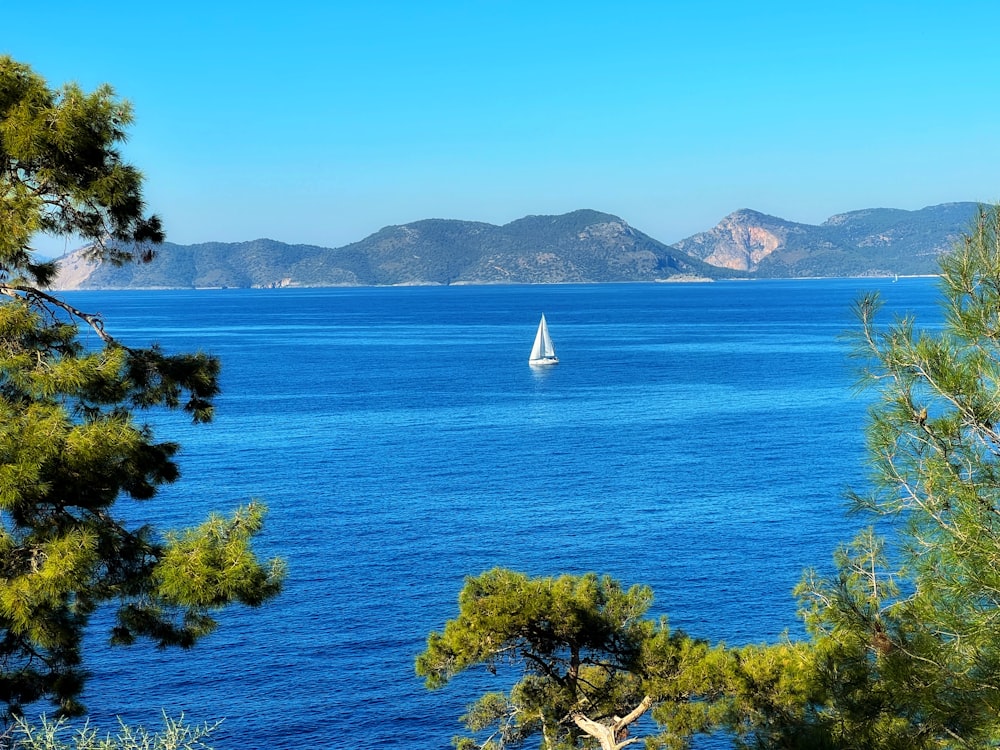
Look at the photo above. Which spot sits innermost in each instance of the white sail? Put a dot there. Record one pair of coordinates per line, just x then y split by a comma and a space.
542, 351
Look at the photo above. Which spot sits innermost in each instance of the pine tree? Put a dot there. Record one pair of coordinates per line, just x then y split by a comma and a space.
71, 444
588, 664
911, 624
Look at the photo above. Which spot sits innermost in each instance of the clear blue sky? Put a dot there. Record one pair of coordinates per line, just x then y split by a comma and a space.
321, 122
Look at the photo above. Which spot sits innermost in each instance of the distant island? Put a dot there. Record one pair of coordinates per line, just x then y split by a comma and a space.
583, 246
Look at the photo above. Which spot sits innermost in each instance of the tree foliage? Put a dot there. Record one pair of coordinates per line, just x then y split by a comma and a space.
589, 663
905, 636
916, 622
71, 446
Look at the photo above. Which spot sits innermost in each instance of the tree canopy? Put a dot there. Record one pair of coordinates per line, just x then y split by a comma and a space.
590, 664
72, 446
915, 618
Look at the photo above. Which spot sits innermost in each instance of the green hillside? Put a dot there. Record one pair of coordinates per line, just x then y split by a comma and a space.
583, 246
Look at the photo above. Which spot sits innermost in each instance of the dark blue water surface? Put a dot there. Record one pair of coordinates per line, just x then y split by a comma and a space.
694, 437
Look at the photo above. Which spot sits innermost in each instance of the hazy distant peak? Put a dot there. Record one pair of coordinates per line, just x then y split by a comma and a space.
881, 215
572, 220
750, 215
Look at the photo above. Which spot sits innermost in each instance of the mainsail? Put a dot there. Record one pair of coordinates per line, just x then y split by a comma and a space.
542, 351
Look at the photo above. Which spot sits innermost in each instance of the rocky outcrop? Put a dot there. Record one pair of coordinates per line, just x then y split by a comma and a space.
869, 242
741, 240
74, 271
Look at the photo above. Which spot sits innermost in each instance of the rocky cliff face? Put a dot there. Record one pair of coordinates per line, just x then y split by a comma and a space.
74, 270
869, 242
741, 240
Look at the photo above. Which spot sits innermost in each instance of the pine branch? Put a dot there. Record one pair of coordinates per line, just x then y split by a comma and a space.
18, 291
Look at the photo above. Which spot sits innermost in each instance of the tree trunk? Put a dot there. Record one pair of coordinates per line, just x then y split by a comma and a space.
612, 736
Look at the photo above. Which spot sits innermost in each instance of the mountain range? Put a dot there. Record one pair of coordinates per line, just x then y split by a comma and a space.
583, 246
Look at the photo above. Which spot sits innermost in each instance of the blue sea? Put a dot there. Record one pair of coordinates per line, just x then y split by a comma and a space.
695, 437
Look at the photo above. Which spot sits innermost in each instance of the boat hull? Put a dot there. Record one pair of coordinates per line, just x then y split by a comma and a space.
544, 361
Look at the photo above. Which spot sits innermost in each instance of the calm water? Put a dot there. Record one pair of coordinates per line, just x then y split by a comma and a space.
695, 437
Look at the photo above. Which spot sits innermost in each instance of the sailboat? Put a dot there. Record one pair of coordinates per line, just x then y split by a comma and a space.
542, 351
